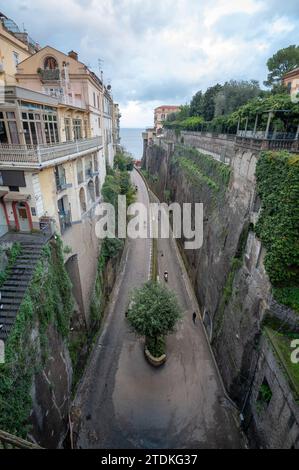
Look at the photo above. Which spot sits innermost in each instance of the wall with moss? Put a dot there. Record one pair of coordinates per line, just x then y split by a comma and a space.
231, 273
44, 314
278, 224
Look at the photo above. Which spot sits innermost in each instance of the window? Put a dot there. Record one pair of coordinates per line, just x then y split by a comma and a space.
50, 127
40, 127
85, 128
80, 171
98, 101
16, 58
88, 167
60, 178
12, 178
82, 200
95, 162
3, 133
67, 127
50, 63
97, 185
91, 192
77, 125
55, 92
94, 100
8, 128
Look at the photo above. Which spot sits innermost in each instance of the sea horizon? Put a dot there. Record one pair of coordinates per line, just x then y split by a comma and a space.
131, 140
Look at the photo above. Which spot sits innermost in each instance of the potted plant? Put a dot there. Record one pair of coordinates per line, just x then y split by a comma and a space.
153, 313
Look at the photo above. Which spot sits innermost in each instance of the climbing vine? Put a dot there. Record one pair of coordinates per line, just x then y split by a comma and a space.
278, 225
48, 300
201, 168
12, 254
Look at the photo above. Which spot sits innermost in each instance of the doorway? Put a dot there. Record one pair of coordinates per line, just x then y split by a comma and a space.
23, 217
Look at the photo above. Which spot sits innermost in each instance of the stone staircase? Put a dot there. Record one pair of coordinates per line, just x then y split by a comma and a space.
14, 288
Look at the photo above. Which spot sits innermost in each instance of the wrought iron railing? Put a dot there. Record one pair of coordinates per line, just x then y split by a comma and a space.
49, 75
41, 154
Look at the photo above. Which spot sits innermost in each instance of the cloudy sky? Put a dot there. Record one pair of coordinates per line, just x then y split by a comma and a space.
161, 52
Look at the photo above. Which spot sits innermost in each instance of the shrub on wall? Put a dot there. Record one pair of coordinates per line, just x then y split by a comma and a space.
277, 176
202, 168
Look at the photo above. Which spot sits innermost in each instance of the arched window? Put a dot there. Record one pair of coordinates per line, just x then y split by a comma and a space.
82, 200
50, 63
97, 185
90, 191
80, 171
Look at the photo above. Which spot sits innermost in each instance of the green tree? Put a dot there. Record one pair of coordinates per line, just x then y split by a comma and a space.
171, 117
184, 112
154, 313
196, 104
280, 63
235, 94
208, 102
123, 162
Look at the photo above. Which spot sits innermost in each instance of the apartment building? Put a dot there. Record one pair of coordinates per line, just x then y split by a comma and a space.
161, 113
64, 77
15, 46
56, 140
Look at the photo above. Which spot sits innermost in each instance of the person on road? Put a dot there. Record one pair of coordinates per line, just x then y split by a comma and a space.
166, 276
194, 317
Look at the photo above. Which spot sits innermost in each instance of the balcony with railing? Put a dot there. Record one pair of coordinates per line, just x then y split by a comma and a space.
42, 155
49, 75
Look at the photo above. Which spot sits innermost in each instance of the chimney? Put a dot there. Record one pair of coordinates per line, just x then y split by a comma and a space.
73, 55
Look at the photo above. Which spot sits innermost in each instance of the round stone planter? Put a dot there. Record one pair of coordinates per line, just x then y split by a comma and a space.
154, 361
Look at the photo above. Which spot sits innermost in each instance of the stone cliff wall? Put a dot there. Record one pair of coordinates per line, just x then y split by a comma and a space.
230, 280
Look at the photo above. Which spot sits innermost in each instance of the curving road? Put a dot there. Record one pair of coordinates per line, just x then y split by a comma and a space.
126, 403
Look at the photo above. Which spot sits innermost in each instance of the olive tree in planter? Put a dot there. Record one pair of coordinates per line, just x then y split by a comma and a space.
153, 313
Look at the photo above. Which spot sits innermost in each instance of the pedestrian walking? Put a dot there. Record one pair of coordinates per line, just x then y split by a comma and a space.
194, 317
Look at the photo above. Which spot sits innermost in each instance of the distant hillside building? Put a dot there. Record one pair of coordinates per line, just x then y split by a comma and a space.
291, 81
161, 114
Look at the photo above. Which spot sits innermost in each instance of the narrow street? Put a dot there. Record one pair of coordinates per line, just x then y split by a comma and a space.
125, 402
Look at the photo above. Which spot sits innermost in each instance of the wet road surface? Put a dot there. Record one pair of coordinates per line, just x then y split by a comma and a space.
124, 401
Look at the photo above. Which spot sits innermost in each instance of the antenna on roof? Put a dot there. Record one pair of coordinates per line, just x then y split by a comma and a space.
100, 63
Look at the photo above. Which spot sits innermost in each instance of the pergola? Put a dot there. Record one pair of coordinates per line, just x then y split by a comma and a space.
271, 114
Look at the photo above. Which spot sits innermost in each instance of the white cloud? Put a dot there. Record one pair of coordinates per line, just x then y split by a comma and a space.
213, 13
162, 54
280, 25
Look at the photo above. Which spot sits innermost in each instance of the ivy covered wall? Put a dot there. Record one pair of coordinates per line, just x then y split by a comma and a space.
48, 301
277, 176
201, 168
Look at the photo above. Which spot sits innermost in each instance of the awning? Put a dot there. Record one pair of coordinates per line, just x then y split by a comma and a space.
13, 196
